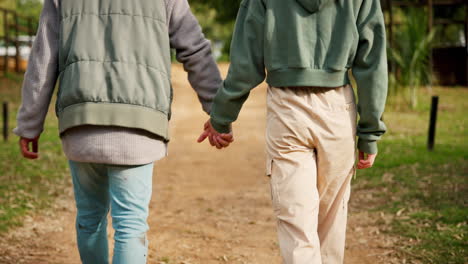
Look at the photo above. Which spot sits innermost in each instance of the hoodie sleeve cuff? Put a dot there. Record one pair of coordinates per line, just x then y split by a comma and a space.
26, 134
221, 128
367, 146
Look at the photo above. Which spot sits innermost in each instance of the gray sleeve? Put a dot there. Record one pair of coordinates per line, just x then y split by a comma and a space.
194, 51
41, 74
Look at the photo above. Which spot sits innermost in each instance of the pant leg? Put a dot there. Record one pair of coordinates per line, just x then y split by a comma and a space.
90, 186
130, 192
335, 133
292, 166
323, 122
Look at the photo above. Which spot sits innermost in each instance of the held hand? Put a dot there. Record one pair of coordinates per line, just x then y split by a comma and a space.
25, 150
216, 139
365, 162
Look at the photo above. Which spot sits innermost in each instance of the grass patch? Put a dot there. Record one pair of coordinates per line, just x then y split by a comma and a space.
27, 185
425, 191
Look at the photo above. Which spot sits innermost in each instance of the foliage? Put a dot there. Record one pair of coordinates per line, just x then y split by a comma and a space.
9, 4
25, 8
226, 10
207, 17
451, 34
224, 17
29, 8
411, 54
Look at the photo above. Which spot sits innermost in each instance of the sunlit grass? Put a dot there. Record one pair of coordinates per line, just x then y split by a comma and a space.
426, 191
27, 185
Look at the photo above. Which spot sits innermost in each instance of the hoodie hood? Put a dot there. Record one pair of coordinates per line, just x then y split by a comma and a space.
312, 5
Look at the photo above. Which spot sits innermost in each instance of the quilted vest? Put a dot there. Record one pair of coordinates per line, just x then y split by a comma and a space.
114, 65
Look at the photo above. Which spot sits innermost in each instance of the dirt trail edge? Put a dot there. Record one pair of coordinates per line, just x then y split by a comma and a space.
208, 206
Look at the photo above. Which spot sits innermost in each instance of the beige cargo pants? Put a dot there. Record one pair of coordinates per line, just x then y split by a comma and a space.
311, 154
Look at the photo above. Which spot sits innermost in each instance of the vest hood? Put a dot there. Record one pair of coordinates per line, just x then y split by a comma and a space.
312, 5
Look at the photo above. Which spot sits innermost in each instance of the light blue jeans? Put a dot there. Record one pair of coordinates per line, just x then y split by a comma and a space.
126, 192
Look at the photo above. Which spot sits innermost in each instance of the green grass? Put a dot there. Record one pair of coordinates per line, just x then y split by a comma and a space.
27, 185
427, 192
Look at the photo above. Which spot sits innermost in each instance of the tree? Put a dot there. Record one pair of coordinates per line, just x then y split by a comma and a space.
25, 8
29, 8
411, 53
217, 19
226, 11
208, 19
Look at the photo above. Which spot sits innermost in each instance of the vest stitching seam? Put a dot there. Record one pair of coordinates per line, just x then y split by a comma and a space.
149, 108
110, 14
123, 62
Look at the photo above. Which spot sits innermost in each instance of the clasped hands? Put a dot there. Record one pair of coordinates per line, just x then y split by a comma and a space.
216, 139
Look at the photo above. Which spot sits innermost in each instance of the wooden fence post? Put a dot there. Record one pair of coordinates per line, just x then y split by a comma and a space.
5, 121
432, 123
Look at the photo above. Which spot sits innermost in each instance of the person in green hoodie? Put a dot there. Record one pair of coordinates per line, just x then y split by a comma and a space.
306, 50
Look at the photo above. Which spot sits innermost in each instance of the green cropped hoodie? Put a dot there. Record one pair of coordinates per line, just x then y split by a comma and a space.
314, 43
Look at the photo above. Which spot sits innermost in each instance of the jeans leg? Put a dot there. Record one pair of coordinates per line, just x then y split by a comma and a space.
130, 190
90, 186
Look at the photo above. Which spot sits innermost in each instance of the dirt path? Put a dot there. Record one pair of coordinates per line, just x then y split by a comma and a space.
208, 206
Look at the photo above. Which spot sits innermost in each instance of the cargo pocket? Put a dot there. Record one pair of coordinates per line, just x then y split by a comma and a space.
346, 196
273, 185
269, 165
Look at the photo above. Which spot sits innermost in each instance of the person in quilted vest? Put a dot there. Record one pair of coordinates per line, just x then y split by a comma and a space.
112, 61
